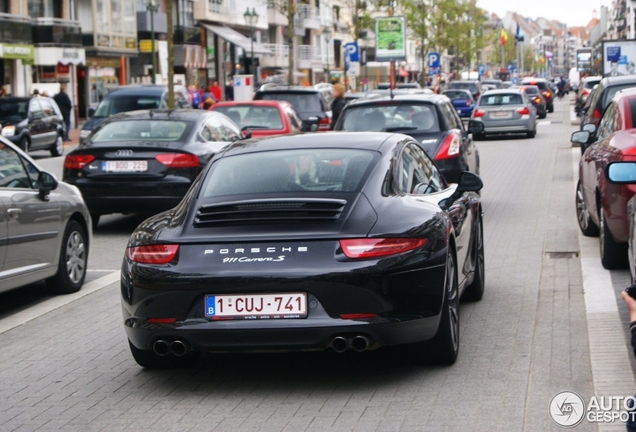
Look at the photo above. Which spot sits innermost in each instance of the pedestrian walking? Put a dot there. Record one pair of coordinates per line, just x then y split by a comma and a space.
229, 90
216, 91
338, 103
66, 106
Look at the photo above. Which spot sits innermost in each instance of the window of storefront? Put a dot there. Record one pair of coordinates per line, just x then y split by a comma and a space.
45, 9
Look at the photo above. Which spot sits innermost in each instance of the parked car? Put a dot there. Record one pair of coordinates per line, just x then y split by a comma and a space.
45, 229
537, 99
145, 161
584, 89
33, 123
462, 100
601, 97
133, 97
547, 92
313, 105
623, 174
601, 205
505, 111
262, 117
473, 85
298, 243
431, 119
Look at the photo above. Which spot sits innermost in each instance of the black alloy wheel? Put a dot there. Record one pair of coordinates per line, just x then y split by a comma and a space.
475, 291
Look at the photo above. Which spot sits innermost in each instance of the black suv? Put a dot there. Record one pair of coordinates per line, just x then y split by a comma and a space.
33, 123
473, 85
544, 88
601, 97
313, 105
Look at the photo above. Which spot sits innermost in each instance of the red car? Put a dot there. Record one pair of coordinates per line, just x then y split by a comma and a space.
262, 117
601, 206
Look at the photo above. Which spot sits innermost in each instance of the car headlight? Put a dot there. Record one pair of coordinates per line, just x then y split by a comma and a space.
84, 133
8, 131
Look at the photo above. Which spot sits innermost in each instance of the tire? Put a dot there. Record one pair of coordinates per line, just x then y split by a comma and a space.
57, 149
71, 270
586, 224
543, 115
532, 133
149, 360
444, 347
475, 291
613, 254
24, 144
551, 109
478, 137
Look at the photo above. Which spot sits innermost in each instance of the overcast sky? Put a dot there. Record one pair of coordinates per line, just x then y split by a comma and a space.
574, 13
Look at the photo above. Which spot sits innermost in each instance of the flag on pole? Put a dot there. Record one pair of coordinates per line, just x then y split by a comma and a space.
504, 37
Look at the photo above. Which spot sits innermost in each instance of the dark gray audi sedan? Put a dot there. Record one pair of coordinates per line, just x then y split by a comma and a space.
45, 227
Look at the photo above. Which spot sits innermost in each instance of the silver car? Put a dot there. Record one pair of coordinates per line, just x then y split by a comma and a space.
45, 227
505, 111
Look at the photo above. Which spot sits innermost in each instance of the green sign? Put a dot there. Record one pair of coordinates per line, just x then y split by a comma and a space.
390, 39
15, 51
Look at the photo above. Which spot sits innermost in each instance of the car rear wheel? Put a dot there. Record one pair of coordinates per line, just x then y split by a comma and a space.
57, 149
444, 347
150, 360
24, 144
475, 291
543, 114
586, 224
71, 269
613, 254
551, 108
532, 133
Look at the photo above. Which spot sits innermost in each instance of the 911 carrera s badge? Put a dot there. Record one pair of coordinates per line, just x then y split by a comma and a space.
245, 259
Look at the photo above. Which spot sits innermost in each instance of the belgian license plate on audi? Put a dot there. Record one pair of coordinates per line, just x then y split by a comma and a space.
256, 306
125, 166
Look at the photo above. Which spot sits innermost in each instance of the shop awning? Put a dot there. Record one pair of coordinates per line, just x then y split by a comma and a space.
237, 39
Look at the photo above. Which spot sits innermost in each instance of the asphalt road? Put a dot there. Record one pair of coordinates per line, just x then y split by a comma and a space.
70, 369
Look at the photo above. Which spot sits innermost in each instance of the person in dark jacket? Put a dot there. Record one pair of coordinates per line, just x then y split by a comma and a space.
631, 305
338, 103
66, 106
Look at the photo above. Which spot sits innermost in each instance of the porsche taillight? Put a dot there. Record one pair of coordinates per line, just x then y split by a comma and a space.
152, 254
379, 247
77, 161
449, 148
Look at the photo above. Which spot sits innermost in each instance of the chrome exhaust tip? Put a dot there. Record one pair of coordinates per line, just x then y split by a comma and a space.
161, 347
179, 348
339, 344
360, 343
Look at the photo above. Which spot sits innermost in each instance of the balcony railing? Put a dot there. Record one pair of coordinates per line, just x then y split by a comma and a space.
14, 28
310, 16
279, 50
56, 32
221, 7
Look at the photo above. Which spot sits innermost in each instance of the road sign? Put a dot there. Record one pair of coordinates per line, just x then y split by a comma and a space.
433, 60
509, 67
351, 57
482, 70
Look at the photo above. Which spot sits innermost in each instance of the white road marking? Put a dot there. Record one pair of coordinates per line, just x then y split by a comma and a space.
544, 123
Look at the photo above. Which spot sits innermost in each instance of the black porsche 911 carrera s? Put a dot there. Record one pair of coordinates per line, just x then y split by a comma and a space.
307, 243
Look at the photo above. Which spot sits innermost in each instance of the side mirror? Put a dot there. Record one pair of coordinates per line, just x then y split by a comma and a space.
46, 183
580, 137
91, 112
590, 127
469, 182
475, 127
621, 172
246, 133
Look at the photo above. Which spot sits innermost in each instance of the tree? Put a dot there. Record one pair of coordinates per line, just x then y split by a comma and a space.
288, 9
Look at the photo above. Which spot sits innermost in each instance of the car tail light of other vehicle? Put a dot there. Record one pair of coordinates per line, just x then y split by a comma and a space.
537, 100
449, 148
596, 115
479, 113
152, 254
178, 160
77, 161
324, 124
379, 247
523, 111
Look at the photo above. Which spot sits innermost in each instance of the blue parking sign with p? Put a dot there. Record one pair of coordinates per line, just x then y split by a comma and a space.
433, 60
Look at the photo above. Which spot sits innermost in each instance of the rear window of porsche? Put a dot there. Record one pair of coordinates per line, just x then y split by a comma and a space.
306, 170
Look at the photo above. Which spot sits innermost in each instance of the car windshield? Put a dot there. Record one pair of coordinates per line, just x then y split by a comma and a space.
611, 91
260, 117
303, 102
116, 104
457, 95
501, 99
13, 110
391, 117
141, 130
310, 170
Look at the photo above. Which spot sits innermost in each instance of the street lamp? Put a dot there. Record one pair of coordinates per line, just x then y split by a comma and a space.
152, 8
327, 33
251, 18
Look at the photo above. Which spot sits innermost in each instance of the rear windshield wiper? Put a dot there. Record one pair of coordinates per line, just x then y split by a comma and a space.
255, 127
399, 128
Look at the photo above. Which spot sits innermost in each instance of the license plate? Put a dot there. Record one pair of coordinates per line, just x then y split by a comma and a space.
125, 166
501, 114
256, 306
